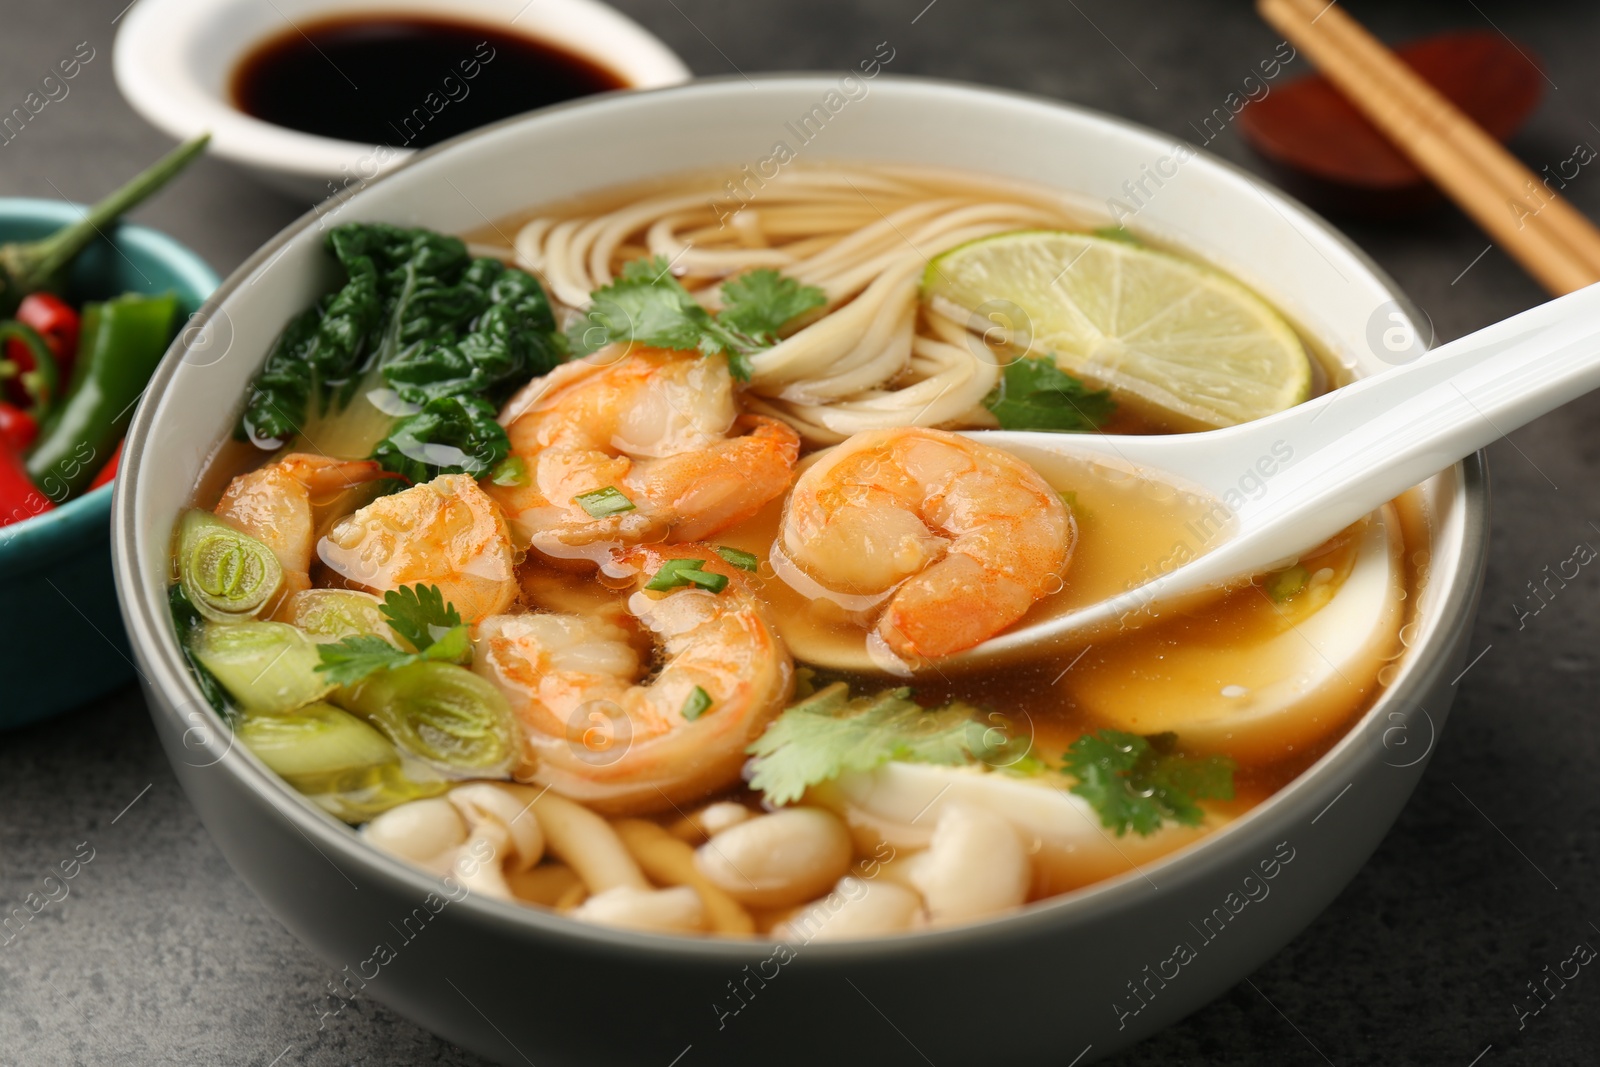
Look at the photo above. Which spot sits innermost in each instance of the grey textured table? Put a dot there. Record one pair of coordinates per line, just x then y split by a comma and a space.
161, 955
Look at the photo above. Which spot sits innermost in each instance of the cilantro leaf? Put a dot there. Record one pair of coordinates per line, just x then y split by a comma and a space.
348, 661
352, 659
648, 305
759, 302
1035, 394
1137, 783
828, 734
416, 613
419, 614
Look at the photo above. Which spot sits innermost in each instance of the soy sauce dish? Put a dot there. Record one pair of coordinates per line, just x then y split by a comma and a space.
592, 704
317, 99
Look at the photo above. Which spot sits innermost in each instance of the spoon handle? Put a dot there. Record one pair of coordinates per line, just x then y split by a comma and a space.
1357, 447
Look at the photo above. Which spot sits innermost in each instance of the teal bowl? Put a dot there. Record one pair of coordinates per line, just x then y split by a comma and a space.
55, 568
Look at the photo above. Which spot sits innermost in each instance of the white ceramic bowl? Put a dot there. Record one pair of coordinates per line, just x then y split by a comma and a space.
174, 60
1057, 982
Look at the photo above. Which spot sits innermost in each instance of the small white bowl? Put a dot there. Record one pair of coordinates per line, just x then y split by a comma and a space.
174, 62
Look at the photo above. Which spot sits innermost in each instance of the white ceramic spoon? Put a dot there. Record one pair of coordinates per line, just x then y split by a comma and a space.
1332, 459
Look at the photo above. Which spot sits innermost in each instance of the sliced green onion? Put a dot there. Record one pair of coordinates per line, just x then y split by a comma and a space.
738, 557
316, 741
440, 713
676, 573
229, 576
332, 614
512, 470
603, 502
697, 703
343, 764
266, 667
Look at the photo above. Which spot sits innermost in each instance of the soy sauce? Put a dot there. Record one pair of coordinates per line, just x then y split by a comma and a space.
406, 81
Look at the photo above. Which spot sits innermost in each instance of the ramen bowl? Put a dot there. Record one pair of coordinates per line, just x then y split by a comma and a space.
1071, 979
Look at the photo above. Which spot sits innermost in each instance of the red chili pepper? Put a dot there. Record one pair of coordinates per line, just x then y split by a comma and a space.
19, 498
38, 387
109, 471
17, 427
56, 322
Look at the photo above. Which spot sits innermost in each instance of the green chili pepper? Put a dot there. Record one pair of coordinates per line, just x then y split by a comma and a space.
41, 382
26, 266
121, 342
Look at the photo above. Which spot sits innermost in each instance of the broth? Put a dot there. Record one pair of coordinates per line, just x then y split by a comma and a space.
1251, 644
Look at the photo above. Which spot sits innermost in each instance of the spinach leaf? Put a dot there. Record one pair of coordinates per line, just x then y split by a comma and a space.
409, 358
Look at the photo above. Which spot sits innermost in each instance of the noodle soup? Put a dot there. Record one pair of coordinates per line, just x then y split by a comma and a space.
630, 566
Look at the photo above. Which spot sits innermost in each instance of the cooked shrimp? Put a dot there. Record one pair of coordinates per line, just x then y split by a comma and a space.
445, 533
274, 505
598, 733
661, 428
957, 537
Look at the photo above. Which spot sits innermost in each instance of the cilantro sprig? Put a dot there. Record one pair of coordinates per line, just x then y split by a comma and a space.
1132, 782
1035, 394
648, 305
1137, 783
829, 733
419, 616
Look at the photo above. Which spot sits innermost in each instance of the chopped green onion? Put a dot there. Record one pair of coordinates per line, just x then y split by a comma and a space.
603, 502
1286, 583
697, 703
512, 470
675, 573
745, 561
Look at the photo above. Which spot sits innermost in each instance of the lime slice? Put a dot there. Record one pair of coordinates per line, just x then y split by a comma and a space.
1171, 339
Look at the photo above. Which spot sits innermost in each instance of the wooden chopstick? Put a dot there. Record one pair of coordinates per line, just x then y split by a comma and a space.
1555, 243
1436, 112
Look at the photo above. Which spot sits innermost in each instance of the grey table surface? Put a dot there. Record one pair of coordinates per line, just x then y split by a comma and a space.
161, 955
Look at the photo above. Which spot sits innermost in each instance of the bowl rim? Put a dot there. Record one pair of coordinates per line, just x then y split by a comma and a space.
148, 63
38, 541
1107, 896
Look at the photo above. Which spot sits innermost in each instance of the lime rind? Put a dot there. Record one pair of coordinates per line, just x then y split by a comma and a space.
1175, 339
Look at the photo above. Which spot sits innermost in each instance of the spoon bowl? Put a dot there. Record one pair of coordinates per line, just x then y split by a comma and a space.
1284, 484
